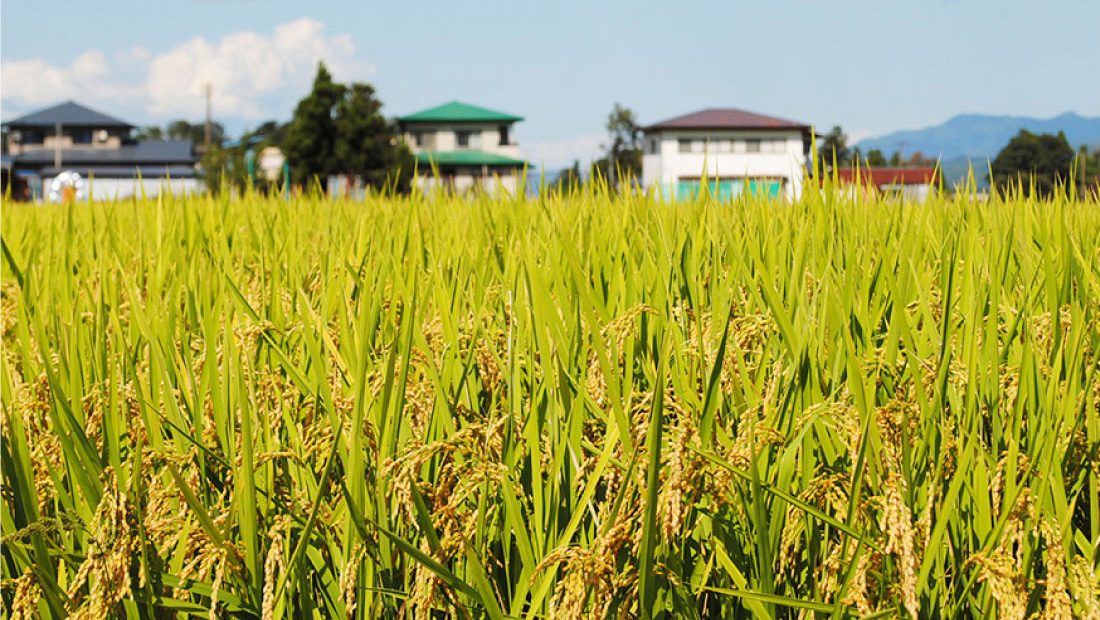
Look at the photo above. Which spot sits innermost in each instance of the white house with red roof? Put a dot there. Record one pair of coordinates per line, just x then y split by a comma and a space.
736, 151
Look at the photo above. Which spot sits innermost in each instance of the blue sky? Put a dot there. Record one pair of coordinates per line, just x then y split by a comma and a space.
871, 66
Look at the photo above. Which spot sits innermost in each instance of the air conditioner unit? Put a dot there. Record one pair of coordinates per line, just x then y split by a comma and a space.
102, 135
16, 136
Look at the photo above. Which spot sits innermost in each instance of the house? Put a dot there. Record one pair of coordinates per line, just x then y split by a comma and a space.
736, 151
463, 147
910, 183
74, 138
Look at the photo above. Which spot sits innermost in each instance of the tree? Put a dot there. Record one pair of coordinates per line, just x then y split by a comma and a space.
310, 145
876, 158
271, 133
340, 129
569, 179
223, 167
366, 146
623, 159
152, 132
1091, 168
834, 148
195, 132
1043, 161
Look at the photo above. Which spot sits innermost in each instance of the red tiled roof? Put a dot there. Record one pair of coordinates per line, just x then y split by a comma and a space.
888, 176
726, 118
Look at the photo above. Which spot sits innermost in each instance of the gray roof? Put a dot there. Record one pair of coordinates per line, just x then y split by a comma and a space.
149, 152
69, 114
148, 171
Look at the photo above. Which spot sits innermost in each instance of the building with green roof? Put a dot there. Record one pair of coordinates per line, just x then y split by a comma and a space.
464, 147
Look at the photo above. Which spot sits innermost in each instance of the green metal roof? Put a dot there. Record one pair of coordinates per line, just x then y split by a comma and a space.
458, 111
467, 158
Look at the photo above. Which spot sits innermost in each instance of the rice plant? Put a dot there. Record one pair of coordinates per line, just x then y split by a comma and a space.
576, 406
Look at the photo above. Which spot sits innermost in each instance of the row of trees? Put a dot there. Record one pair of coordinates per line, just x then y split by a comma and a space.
835, 145
337, 129
1033, 163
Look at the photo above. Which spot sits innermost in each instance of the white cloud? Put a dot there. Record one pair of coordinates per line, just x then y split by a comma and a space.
253, 76
856, 135
36, 82
245, 67
553, 155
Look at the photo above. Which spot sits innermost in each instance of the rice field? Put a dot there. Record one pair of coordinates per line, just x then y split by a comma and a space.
575, 406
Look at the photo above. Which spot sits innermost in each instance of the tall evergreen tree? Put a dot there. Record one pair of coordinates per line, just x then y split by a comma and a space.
311, 138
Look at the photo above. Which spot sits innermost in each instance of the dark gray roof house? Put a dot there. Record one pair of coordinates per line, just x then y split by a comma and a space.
68, 114
70, 136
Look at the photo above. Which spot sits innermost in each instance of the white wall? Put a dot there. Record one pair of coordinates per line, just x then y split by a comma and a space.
112, 189
724, 154
442, 138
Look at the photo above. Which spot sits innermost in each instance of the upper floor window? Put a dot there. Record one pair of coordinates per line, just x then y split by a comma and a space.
467, 139
685, 146
752, 146
504, 141
82, 136
34, 136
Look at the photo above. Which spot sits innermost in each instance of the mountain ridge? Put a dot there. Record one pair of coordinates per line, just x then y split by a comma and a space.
981, 136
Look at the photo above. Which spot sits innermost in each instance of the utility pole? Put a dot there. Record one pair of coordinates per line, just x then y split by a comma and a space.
207, 128
57, 147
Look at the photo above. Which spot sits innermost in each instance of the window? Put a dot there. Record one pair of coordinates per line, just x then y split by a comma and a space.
504, 135
752, 146
82, 136
467, 139
685, 146
34, 136
654, 146
418, 138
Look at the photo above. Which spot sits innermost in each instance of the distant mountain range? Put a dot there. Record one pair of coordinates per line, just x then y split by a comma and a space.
974, 138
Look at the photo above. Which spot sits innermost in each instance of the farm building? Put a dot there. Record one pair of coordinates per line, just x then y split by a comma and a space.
910, 183
468, 146
70, 137
736, 151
